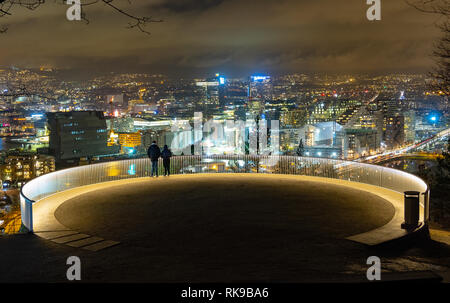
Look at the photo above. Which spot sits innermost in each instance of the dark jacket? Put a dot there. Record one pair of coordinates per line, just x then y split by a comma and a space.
154, 152
166, 154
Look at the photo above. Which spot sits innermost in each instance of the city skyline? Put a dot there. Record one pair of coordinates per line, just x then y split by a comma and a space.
356, 115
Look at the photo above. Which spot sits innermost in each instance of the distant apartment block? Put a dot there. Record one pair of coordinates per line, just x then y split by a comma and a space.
394, 135
24, 166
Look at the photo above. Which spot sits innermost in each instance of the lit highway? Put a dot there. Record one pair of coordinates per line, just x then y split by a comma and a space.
401, 151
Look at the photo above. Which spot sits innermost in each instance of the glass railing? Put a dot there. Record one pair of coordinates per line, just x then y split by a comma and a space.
58, 181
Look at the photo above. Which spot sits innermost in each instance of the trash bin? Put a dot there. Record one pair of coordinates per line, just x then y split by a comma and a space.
411, 209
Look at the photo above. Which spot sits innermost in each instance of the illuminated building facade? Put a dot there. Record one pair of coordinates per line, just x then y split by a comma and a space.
293, 118
161, 136
309, 136
340, 111
129, 142
260, 88
410, 126
23, 166
210, 89
78, 134
359, 142
394, 135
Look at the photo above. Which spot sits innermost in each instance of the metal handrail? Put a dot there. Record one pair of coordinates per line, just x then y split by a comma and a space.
61, 180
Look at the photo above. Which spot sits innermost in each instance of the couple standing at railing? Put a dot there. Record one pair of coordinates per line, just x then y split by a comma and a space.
154, 153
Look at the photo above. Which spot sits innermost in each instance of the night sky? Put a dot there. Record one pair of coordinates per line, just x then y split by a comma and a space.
235, 37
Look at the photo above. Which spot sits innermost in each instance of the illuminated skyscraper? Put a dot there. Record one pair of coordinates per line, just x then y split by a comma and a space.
260, 88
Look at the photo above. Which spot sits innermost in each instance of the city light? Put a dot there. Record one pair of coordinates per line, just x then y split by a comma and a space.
434, 117
132, 170
260, 78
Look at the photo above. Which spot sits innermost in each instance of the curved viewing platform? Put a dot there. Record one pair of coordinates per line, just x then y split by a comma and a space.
386, 183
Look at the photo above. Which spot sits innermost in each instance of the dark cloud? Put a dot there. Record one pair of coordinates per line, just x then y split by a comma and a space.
182, 6
234, 36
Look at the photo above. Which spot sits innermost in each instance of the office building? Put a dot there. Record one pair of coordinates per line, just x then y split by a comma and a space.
78, 134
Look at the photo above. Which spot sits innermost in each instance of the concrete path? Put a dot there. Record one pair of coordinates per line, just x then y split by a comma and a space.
218, 226
206, 228
45, 221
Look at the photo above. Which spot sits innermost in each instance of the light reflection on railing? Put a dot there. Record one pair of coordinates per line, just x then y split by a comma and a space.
58, 181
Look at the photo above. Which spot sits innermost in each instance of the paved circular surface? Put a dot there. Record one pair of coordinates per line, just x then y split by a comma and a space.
223, 228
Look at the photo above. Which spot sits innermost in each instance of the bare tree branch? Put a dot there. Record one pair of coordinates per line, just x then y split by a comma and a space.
441, 52
440, 7
138, 22
23, 90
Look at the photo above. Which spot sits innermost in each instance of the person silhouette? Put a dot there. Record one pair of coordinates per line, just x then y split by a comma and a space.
166, 154
154, 153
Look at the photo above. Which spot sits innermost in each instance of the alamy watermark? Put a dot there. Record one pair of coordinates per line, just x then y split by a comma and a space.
73, 273
256, 136
374, 11
374, 271
74, 11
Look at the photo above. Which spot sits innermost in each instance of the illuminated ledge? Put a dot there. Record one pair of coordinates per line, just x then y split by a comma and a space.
45, 221
392, 230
